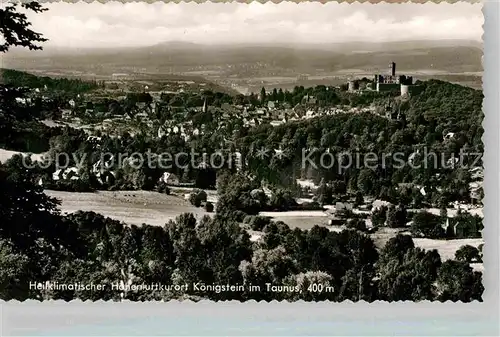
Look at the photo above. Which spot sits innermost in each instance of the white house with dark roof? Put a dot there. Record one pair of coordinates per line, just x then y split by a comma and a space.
449, 135
105, 177
70, 173
57, 175
170, 178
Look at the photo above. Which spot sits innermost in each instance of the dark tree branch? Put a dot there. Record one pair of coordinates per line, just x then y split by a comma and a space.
15, 27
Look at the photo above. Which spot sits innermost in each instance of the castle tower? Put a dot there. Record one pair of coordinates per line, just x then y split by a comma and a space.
351, 86
405, 90
392, 67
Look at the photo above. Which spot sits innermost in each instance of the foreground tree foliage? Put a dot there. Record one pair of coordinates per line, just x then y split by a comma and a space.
457, 281
15, 27
410, 277
468, 254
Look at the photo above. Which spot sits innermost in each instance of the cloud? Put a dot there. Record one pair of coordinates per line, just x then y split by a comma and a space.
137, 24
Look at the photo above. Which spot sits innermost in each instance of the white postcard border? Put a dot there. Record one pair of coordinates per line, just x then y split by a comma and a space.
299, 318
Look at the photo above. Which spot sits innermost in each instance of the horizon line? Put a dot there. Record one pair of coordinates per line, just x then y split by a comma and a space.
229, 44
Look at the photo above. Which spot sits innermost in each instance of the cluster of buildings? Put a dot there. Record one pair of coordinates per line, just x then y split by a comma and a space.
278, 113
392, 81
273, 112
105, 172
388, 82
185, 130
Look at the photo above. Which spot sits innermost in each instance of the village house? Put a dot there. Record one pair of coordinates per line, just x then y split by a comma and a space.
343, 206
161, 132
141, 105
261, 112
377, 204
57, 174
142, 115
100, 166
66, 113
475, 190
154, 106
105, 177
170, 179
459, 228
70, 173
299, 109
276, 123
226, 115
477, 173
335, 220
22, 100
449, 135
107, 123
310, 114
95, 141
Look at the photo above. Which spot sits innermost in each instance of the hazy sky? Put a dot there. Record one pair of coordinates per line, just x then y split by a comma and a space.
138, 24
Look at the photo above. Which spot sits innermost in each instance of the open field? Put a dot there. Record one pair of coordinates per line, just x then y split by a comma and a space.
302, 214
383, 235
446, 248
304, 220
132, 207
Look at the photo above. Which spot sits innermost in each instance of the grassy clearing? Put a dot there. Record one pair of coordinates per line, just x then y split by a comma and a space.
132, 207
446, 248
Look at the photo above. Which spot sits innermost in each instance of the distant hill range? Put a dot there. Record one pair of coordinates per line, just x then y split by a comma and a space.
448, 56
